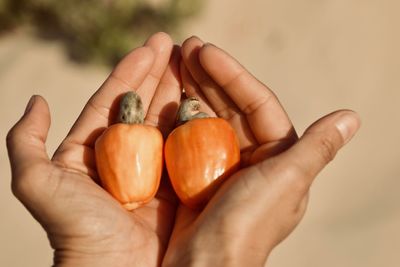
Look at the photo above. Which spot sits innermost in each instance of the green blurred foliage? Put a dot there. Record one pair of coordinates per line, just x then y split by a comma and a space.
97, 30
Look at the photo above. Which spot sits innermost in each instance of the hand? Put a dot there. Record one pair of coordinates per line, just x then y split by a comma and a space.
85, 225
262, 203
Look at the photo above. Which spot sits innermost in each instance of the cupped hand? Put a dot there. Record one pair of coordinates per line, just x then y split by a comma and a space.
85, 225
251, 213
263, 202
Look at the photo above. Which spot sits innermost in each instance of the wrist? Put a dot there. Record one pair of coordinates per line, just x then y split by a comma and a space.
214, 250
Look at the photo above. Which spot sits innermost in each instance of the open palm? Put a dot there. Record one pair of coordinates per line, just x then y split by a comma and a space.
258, 206
225, 89
249, 215
82, 220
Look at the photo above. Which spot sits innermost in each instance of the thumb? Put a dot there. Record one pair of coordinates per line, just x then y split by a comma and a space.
26, 140
318, 146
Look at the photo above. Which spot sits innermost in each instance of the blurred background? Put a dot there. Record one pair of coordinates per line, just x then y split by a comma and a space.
318, 56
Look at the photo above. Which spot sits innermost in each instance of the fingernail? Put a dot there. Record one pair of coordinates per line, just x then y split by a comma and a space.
210, 44
30, 104
195, 37
348, 125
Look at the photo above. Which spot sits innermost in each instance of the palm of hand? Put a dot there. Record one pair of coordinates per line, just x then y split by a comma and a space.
227, 90
258, 206
86, 225
144, 231
91, 222
82, 220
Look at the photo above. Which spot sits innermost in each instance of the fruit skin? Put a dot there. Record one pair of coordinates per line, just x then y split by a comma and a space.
199, 156
129, 159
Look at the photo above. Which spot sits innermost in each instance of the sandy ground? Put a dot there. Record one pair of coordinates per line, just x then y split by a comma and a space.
317, 56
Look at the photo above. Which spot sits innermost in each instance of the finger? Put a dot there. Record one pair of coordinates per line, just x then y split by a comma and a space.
26, 140
315, 149
26, 147
136, 71
192, 89
267, 119
162, 46
76, 151
100, 111
164, 105
222, 105
218, 100
277, 188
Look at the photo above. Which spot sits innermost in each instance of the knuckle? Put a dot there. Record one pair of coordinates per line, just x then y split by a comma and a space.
20, 186
257, 104
301, 205
12, 136
293, 178
296, 181
27, 181
16, 135
326, 148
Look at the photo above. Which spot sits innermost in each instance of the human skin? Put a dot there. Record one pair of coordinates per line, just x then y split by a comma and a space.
85, 225
253, 211
262, 203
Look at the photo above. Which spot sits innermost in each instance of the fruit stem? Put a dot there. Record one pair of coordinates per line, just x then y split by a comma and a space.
131, 109
189, 110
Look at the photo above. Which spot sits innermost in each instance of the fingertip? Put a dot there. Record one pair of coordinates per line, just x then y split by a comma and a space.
158, 36
36, 106
210, 46
209, 49
319, 145
40, 100
36, 119
348, 124
192, 40
209, 52
159, 42
29, 134
190, 48
216, 60
30, 104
